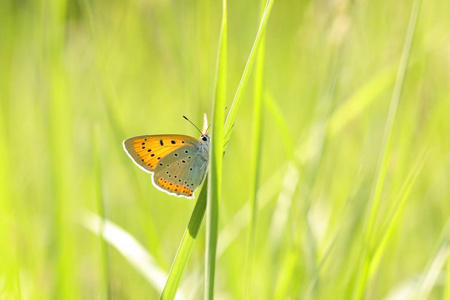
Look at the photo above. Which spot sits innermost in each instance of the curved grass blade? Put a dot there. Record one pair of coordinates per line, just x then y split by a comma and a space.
399, 203
231, 118
433, 272
127, 245
184, 250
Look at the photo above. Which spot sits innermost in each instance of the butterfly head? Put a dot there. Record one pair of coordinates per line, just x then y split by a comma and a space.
205, 136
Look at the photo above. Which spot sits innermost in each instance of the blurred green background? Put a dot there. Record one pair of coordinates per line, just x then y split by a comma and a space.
80, 76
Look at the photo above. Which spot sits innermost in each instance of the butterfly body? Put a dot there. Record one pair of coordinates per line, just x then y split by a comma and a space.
178, 163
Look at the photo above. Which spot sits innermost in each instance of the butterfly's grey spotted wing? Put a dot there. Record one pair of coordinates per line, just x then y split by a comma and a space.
182, 171
178, 162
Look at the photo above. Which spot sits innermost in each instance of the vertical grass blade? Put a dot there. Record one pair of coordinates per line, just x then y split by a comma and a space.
191, 232
216, 156
385, 152
255, 159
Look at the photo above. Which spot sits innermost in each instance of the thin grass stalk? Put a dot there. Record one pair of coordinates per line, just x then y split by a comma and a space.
216, 157
255, 161
385, 152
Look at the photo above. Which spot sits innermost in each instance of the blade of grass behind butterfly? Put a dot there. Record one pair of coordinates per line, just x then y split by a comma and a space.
383, 161
216, 156
197, 214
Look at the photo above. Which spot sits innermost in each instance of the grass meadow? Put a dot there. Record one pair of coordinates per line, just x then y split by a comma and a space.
330, 155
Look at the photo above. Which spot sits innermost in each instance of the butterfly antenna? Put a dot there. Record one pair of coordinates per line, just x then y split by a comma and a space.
192, 124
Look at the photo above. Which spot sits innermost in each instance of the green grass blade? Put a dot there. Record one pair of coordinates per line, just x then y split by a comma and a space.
385, 152
231, 118
255, 160
199, 210
184, 249
394, 220
216, 157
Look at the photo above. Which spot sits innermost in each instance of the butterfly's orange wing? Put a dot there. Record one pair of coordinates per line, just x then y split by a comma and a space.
147, 150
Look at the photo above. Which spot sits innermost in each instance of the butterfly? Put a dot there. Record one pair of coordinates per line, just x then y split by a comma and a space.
178, 163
